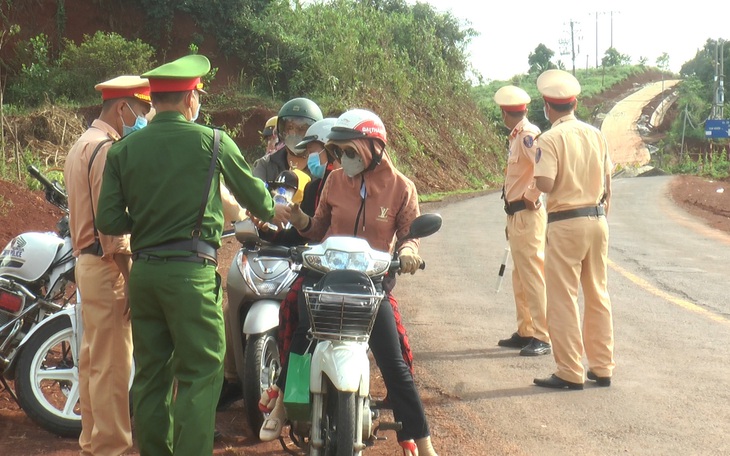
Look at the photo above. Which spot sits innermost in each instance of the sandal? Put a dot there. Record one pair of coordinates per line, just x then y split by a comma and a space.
267, 396
274, 422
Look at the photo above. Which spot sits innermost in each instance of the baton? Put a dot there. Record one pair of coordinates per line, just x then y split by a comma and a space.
502, 268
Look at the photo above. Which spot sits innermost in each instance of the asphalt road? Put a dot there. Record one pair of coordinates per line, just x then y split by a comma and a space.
667, 280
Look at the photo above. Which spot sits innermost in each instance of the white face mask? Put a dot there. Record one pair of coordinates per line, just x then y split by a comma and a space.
544, 112
352, 166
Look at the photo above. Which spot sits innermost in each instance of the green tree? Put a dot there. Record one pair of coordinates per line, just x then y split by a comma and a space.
539, 59
612, 57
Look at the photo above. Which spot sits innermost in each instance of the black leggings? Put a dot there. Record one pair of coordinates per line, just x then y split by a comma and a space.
385, 345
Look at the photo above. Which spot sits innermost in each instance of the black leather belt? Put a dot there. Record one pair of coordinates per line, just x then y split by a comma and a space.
201, 249
195, 258
593, 211
93, 249
514, 207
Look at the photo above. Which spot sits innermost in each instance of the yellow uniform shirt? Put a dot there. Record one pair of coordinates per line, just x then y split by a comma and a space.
520, 180
575, 155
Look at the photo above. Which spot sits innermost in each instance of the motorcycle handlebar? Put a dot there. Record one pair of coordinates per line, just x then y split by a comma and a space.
40, 177
395, 265
53, 193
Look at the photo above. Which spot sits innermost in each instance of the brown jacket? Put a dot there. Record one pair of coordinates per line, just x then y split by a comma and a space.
389, 206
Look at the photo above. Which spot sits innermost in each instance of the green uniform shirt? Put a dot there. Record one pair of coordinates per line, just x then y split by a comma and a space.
154, 180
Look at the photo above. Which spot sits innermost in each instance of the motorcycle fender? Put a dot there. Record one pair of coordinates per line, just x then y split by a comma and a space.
346, 364
262, 316
68, 312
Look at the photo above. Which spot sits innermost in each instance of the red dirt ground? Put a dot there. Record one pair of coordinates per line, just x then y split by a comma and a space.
22, 210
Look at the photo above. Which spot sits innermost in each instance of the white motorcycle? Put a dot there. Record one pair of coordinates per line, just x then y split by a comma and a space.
258, 280
342, 306
39, 353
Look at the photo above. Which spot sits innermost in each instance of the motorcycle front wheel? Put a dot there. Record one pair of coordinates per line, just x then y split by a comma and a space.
261, 369
47, 379
339, 423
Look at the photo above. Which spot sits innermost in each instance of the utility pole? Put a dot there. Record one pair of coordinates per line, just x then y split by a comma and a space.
721, 88
568, 45
596, 39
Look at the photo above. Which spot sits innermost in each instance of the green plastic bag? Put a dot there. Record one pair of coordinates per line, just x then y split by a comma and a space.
296, 394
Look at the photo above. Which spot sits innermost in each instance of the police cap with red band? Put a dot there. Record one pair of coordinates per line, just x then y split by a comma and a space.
179, 75
125, 87
558, 86
512, 98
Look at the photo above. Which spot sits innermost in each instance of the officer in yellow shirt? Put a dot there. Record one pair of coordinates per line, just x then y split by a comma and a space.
526, 223
102, 270
573, 168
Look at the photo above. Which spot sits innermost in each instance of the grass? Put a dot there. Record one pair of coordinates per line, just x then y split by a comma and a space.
440, 196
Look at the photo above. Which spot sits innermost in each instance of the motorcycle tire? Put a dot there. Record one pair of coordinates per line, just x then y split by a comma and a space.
262, 351
339, 423
47, 380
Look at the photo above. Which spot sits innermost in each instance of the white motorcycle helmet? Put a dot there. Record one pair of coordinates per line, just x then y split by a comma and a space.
360, 124
317, 132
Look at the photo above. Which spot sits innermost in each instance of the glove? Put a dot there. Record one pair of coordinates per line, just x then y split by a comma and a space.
409, 261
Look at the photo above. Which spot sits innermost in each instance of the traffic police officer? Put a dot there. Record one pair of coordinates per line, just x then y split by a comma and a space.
153, 185
102, 270
574, 169
526, 223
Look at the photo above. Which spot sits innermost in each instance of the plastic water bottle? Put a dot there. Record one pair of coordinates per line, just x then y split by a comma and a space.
281, 196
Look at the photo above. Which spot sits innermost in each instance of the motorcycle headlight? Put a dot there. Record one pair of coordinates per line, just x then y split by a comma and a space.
334, 260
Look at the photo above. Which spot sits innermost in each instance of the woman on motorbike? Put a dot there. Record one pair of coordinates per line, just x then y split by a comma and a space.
370, 199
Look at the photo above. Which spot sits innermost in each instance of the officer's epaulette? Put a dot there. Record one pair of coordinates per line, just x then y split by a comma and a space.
214, 127
516, 132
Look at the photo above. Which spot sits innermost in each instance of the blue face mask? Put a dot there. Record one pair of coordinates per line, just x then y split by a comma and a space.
139, 123
315, 167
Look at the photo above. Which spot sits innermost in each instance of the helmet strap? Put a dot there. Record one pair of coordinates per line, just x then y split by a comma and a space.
376, 157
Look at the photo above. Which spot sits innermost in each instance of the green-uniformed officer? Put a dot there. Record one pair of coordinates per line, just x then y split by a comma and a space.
154, 186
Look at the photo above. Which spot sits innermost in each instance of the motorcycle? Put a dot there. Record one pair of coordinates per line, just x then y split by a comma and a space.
342, 306
258, 280
39, 352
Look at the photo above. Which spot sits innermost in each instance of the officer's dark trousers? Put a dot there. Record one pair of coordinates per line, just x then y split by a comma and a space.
178, 334
386, 348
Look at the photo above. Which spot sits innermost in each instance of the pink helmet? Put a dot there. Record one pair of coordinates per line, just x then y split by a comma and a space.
356, 124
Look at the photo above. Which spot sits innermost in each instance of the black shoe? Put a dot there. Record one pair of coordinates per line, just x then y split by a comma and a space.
556, 382
600, 381
230, 393
515, 341
536, 348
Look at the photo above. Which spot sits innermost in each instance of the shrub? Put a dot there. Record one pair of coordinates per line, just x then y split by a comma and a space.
98, 58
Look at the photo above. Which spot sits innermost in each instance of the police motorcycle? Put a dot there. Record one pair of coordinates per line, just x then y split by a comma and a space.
37, 351
258, 280
341, 417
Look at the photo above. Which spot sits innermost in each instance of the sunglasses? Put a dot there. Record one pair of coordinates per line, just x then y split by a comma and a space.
338, 152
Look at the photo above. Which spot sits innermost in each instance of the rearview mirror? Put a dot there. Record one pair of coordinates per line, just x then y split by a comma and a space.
246, 231
425, 225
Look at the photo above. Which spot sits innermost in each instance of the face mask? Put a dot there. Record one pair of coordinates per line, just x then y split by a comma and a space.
139, 123
291, 142
352, 166
315, 167
197, 112
544, 111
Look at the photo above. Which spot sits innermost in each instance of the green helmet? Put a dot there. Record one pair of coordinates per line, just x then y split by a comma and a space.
300, 107
294, 118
